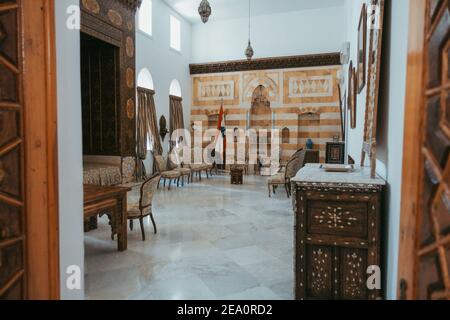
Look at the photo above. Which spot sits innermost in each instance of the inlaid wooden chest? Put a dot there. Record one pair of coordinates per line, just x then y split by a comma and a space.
337, 234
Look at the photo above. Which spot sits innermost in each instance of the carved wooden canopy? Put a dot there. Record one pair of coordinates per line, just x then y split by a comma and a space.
314, 60
131, 4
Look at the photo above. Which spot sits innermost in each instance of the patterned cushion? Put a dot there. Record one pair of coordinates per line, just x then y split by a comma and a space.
197, 167
279, 178
134, 211
185, 171
160, 163
172, 174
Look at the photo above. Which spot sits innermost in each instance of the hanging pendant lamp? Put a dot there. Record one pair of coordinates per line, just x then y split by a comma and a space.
249, 52
204, 10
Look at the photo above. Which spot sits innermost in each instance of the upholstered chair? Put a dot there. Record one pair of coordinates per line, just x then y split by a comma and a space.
143, 208
178, 165
199, 167
298, 161
166, 173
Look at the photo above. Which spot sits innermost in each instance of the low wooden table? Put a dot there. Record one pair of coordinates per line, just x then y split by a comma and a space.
112, 201
236, 174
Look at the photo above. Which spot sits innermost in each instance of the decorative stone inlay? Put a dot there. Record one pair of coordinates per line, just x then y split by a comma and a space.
336, 218
129, 47
115, 17
130, 109
130, 78
216, 90
91, 5
314, 86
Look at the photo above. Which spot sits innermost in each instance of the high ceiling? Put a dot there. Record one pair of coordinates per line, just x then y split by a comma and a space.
229, 9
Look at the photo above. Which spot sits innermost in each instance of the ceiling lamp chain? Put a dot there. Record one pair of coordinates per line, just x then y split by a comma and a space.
249, 51
204, 10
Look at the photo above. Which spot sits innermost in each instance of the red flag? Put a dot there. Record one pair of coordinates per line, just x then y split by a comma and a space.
219, 126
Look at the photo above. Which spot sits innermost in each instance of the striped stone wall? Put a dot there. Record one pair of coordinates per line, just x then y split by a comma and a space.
303, 100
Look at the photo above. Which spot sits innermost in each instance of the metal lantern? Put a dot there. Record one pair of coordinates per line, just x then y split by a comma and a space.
204, 10
249, 51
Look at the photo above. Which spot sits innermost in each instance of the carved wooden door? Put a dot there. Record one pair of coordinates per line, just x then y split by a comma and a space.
12, 222
425, 243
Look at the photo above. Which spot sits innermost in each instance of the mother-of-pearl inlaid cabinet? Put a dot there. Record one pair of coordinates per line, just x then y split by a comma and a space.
337, 234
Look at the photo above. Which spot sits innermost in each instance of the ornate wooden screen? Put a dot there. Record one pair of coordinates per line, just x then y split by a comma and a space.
12, 213
433, 224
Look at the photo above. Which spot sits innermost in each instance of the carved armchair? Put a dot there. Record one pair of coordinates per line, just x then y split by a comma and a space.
298, 161
166, 174
176, 164
143, 208
199, 167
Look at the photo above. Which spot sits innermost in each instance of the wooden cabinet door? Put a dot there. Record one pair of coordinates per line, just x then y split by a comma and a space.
425, 227
29, 266
12, 214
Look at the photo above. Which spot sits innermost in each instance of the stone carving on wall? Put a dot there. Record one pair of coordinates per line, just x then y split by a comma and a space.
270, 81
311, 87
216, 90
208, 91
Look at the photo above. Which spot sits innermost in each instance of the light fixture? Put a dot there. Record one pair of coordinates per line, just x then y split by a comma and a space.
249, 51
204, 10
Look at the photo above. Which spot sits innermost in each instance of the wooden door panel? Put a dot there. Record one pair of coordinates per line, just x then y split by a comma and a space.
12, 245
432, 279
10, 164
353, 264
430, 269
319, 272
10, 222
8, 27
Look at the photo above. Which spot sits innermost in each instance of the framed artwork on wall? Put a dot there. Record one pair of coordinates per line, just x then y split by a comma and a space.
352, 94
362, 51
341, 111
373, 85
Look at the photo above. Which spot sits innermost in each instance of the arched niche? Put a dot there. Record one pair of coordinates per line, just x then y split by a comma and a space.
285, 135
260, 112
145, 79
175, 88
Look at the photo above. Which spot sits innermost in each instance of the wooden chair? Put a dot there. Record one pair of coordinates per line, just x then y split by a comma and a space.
143, 208
298, 161
166, 174
178, 165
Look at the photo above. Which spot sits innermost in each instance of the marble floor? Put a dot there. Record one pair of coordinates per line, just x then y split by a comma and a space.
214, 241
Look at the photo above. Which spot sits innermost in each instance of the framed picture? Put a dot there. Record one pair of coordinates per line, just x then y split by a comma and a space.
362, 51
342, 110
352, 94
335, 152
373, 89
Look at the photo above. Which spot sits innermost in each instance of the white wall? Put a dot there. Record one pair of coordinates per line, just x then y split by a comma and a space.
292, 33
164, 63
390, 122
71, 238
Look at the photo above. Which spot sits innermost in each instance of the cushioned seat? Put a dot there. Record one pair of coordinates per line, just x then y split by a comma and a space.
284, 177
165, 173
139, 209
279, 178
